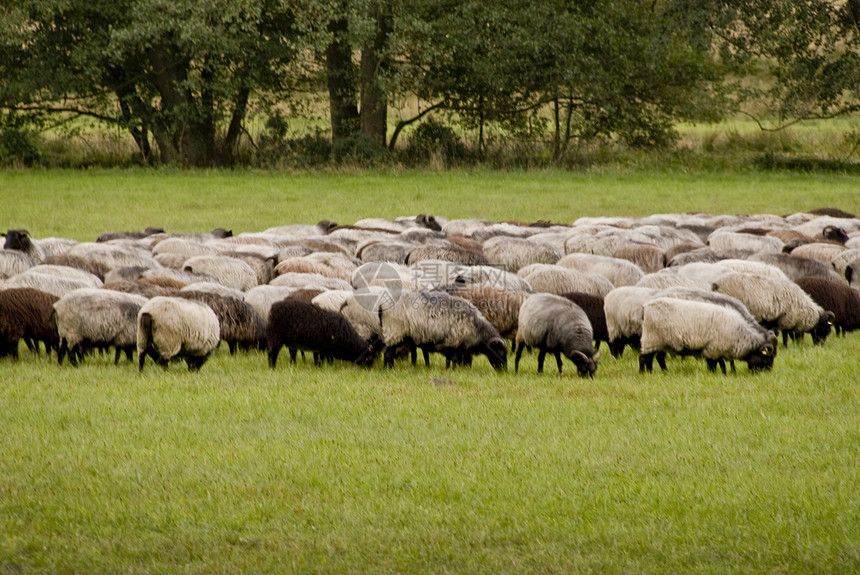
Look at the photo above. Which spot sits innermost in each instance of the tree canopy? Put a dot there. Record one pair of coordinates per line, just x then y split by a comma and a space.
182, 76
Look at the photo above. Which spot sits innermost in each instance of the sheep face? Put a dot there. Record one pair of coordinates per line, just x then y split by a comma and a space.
762, 358
585, 366
822, 329
17, 240
496, 351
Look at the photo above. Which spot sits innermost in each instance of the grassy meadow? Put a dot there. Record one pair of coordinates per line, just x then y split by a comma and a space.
239, 468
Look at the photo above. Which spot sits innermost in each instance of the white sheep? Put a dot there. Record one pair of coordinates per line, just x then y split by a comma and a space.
698, 328
176, 328
778, 304
558, 280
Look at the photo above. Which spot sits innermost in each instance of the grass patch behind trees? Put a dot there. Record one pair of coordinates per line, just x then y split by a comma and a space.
239, 468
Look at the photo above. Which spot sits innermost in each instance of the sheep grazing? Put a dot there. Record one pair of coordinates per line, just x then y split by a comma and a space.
697, 328
515, 253
592, 305
227, 271
27, 313
501, 307
623, 308
448, 253
109, 236
298, 325
836, 297
778, 304
619, 272
47, 282
555, 279
89, 318
95, 268
240, 325
173, 328
796, 268
140, 288
440, 322
556, 325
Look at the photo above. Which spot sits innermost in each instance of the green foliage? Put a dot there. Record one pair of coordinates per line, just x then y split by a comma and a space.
434, 139
18, 145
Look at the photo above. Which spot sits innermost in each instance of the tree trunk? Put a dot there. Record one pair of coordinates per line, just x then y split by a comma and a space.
374, 104
341, 83
231, 140
186, 132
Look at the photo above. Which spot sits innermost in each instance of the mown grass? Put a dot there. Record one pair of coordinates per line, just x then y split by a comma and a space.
338, 469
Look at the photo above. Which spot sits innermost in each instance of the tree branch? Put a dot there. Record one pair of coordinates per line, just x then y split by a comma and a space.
403, 123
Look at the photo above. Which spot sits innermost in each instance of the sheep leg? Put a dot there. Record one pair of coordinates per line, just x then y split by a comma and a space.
426, 357
646, 362
117, 355
558, 361
273, 356
661, 359
231, 345
541, 357
519, 354
293, 353
62, 349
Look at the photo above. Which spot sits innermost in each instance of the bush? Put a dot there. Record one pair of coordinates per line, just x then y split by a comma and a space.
17, 146
432, 139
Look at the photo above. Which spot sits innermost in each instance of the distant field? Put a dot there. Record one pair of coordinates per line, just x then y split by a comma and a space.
83, 204
338, 469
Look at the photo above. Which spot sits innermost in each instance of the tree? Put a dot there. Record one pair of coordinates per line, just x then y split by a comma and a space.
180, 71
805, 55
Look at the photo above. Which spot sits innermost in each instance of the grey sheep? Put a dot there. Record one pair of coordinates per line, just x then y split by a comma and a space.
515, 253
227, 271
554, 324
172, 328
443, 323
704, 329
795, 268
449, 253
27, 313
88, 318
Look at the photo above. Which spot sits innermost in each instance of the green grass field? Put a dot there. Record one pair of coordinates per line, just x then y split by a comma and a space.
338, 469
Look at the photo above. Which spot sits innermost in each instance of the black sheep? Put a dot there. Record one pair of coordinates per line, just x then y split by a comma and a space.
835, 297
592, 305
27, 313
298, 325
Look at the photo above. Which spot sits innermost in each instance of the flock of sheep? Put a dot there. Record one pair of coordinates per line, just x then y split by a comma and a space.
718, 287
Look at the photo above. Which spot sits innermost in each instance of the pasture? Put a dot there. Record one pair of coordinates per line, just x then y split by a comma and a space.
338, 469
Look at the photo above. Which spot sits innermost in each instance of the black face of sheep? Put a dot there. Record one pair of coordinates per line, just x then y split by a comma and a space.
496, 351
585, 366
762, 358
17, 240
835, 233
822, 329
